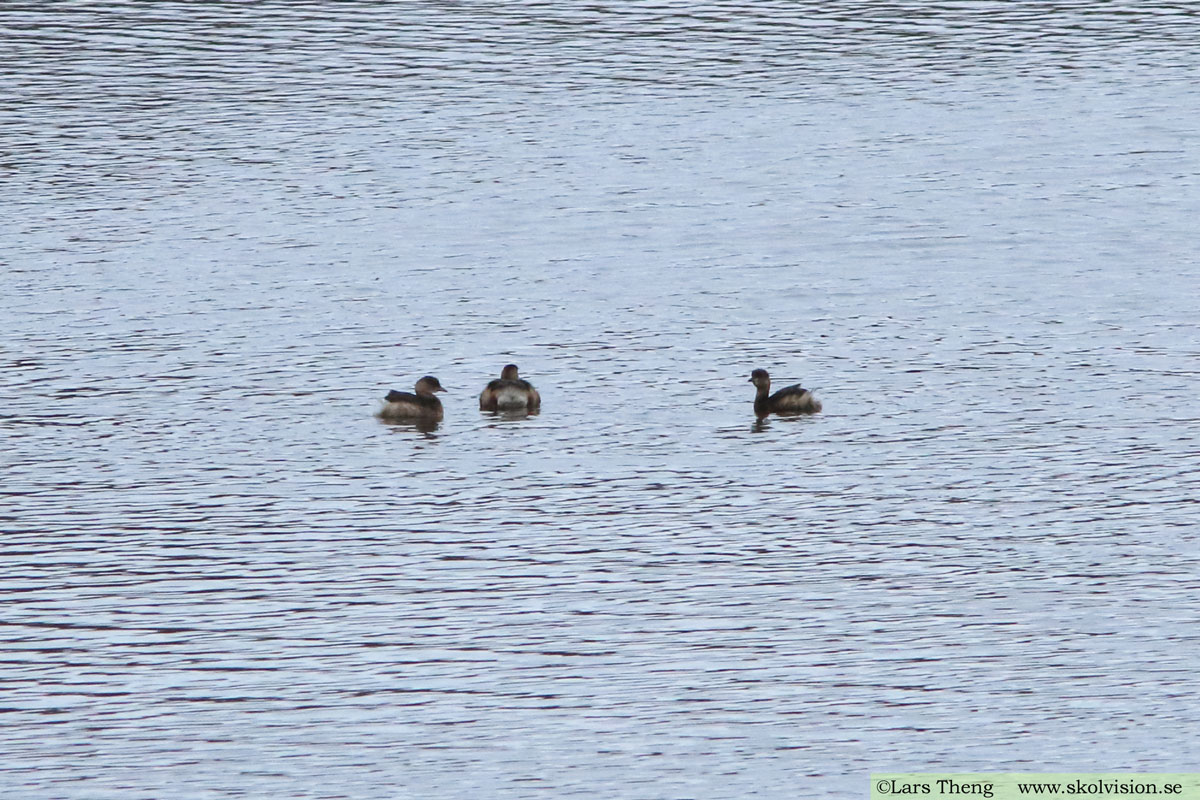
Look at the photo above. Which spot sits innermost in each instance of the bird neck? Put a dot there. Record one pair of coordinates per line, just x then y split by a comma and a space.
760, 400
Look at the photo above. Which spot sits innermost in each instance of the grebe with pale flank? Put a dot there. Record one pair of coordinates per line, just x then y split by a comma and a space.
509, 393
790, 400
423, 405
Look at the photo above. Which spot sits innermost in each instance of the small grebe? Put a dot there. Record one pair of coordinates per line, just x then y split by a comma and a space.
422, 405
792, 400
509, 393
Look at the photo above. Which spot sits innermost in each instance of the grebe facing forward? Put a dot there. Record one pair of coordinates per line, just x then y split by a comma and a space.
509, 393
423, 405
791, 400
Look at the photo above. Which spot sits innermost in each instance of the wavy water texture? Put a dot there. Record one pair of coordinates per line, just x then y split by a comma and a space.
230, 228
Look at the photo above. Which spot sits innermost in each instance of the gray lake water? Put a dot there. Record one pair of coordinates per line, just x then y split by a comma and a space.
229, 228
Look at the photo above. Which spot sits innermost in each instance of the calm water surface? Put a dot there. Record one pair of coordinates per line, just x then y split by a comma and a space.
229, 228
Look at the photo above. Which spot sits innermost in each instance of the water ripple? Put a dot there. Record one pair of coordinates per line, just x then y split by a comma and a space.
233, 227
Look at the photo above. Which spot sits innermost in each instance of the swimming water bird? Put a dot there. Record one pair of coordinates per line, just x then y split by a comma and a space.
509, 393
791, 400
423, 405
